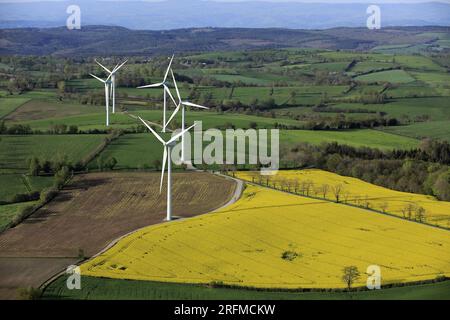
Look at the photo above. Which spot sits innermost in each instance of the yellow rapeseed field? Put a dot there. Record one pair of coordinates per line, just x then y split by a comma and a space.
357, 192
273, 239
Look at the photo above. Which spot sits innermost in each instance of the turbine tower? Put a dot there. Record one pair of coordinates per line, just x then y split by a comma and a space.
107, 83
113, 82
182, 104
167, 158
166, 92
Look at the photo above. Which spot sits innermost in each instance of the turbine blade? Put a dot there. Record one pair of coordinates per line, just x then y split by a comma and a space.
163, 169
156, 85
170, 95
180, 134
118, 67
176, 86
168, 68
153, 131
106, 69
190, 104
174, 114
97, 78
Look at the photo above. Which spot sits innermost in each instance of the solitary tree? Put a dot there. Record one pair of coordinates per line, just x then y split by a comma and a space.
420, 214
350, 275
337, 190
384, 206
324, 190
35, 166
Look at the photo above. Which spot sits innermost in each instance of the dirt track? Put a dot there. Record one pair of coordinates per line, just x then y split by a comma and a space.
94, 210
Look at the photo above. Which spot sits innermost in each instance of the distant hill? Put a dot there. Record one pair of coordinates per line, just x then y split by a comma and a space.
176, 14
103, 40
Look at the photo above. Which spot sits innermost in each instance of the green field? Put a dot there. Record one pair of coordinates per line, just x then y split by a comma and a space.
392, 76
122, 120
110, 289
12, 184
366, 66
8, 105
8, 212
431, 129
436, 108
133, 151
357, 138
16, 150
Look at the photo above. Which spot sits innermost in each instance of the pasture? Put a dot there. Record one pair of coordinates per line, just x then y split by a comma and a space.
431, 129
12, 184
15, 151
94, 288
8, 105
271, 239
357, 138
393, 76
9, 211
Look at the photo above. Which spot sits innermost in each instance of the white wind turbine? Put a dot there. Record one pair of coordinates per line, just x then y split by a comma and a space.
166, 91
182, 104
168, 145
113, 82
107, 83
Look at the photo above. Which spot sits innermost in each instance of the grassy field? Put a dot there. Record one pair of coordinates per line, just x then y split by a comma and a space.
122, 120
431, 129
393, 76
113, 289
133, 151
436, 108
8, 212
357, 138
272, 239
140, 151
12, 184
16, 150
8, 105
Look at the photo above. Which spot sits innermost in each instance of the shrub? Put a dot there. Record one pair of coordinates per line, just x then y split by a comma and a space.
61, 177
48, 195
25, 197
30, 293
289, 255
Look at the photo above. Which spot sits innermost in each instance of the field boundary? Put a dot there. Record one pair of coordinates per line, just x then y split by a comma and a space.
114, 242
15, 109
349, 204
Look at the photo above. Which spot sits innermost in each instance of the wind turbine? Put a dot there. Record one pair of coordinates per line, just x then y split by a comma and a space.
182, 104
113, 81
107, 83
166, 91
167, 158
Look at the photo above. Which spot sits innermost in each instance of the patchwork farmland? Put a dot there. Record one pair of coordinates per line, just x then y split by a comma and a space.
365, 136
91, 212
270, 239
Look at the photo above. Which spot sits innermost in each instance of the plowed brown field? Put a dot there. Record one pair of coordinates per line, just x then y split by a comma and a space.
93, 211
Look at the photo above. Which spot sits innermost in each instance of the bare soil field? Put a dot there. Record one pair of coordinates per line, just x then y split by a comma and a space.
91, 212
